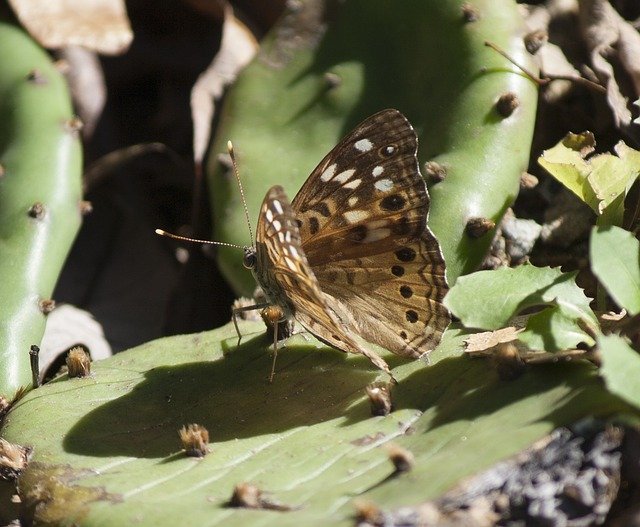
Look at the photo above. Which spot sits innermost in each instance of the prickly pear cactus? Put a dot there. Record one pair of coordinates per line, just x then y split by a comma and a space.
473, 110
40, 192
106, 449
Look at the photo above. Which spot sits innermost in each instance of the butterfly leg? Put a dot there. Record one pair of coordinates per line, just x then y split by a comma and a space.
275, 352
236, 310
273, 316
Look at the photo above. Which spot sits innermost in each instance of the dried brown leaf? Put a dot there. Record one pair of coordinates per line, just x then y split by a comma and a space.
611, 41
482, 344
554, 63
85, 77
99, 25
67, 327
237, 48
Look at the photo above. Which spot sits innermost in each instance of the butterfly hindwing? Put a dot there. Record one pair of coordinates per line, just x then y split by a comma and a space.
396, 303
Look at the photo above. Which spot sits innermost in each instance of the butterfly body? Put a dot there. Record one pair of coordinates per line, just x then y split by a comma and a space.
352, 253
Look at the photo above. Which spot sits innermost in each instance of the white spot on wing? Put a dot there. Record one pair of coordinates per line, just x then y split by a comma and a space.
377, 224
293, 252
344, 176
276, 225
353, 200
354, 216
377, 171
269, 215
278, 206
328, 172
384, 185
374, 235
353, 184
390, 150
364, 145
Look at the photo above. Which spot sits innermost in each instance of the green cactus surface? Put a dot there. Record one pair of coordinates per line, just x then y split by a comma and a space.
308, 88
107, 452
40, 191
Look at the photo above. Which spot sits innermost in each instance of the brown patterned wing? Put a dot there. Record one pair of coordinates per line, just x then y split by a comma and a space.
395, 298
284, 273
363, 214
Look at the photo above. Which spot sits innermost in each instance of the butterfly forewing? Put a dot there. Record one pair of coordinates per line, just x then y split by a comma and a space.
362, 216
363, 192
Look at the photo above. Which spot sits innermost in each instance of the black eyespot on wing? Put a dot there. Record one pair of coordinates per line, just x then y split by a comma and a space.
412, 316
387, 151
406, 254
406, 291
397, 270
358, 233
314, 225
299, 223
403, 335
323, 209
393, 202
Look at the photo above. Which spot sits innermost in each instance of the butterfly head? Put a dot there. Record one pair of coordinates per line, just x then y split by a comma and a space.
250, 258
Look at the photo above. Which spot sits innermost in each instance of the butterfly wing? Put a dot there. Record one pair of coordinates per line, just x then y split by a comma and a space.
284, 273
363, 214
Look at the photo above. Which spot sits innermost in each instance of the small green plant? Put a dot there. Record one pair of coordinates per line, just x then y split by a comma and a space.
489, 300
601, 181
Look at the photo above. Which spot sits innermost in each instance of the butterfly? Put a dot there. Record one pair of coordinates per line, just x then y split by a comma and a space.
352, 254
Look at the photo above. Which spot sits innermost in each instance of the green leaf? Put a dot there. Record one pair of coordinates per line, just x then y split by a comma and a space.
601, 181
489, 299
552, 330
106, 448
612, 176
620, 368
565, 162
615, 260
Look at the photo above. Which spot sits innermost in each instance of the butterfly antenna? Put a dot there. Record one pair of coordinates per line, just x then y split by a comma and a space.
237, 175
194, 240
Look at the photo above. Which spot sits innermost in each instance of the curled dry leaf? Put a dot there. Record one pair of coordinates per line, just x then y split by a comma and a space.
237, 48
482, 344
553, 63
612, 41
85, 77
99, 25
67, 327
